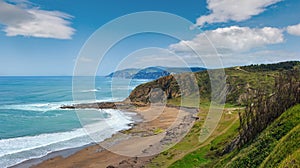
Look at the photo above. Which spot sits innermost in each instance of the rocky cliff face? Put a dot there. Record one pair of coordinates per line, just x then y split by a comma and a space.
156, 91
169, 87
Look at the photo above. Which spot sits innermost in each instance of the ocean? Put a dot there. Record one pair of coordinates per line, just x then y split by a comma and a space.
32, 125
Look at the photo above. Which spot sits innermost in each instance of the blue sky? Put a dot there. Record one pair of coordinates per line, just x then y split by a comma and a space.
45, 37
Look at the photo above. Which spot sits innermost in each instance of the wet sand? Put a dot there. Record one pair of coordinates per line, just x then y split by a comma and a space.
161, 128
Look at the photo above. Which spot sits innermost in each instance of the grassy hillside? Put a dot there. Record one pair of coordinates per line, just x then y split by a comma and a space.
190, 144
288, 144
276, 146
239, 81
272, 146
292, 161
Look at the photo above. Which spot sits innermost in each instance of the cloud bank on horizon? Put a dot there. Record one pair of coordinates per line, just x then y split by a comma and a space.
20, 17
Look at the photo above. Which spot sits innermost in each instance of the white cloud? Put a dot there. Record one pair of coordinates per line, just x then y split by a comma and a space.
233, 10
230, 39
294, 30
20, 18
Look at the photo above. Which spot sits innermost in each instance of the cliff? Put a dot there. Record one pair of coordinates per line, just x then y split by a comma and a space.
239, 81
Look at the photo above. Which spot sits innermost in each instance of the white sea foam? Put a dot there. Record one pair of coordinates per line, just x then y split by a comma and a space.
40, 107
15, 145
91, 90
16, 150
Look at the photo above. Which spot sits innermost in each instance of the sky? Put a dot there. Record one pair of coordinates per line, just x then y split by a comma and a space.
44, 38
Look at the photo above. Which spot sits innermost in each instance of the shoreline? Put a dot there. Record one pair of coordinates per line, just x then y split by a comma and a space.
61, 153
94, 155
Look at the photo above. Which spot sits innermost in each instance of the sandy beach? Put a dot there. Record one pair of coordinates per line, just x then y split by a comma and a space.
162, 127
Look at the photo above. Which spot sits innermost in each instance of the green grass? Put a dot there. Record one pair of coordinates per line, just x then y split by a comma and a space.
190, 102
190, 143
203, 155
288, 144
193, 159
158, 131
186, 144
268, 142
291, 161
229, 105
239, 81
276, 146
191, 153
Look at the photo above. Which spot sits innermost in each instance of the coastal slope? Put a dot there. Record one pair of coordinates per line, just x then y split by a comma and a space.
189, 152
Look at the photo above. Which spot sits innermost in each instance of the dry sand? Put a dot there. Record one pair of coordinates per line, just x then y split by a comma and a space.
161, 127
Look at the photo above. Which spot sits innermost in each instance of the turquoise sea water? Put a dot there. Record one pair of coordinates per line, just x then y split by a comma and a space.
32, 125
